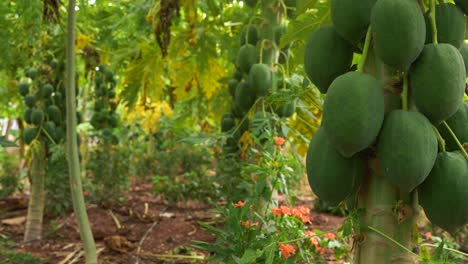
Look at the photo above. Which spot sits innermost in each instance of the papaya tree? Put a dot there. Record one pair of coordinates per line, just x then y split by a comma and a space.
381, 145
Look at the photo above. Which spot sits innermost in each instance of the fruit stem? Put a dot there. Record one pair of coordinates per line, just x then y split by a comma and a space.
404, 94
421, 5
262, 45
433, 23
460, 146
440, 139
365, 50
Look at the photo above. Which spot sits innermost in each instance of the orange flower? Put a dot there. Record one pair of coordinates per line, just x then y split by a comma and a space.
428, 235
330, 236
20, 250
309, 233
287, 250
303, 210
85, 193
239, 204
305, 219
245, 223
314, 241
276, 211
254, 224
276, 164
279, 141
285, 210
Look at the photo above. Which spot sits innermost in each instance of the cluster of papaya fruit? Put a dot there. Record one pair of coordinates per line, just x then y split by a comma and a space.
104, 117
44, 95
251, 81
367, 112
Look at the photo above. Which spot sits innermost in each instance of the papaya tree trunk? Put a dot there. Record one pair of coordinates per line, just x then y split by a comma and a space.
389, 234
37, 196
79, 205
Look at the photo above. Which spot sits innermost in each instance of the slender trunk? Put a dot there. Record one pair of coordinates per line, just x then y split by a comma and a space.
37, 197
389, 215
79, 205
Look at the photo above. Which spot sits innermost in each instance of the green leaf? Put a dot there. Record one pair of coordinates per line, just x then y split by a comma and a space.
249, 256
303, 5
270, 255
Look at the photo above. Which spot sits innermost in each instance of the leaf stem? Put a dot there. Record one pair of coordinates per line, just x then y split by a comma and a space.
460, 146
433, 22
394, 241
365, 51
404, 94
440, 139
445, 248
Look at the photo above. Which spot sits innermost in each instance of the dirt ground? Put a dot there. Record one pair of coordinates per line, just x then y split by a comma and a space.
142, 230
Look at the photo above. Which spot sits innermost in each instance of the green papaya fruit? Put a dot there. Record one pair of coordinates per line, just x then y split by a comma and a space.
260, 79
463, 4
407, 149
458, 123
450, 22
351, 18
238, 75
251, 3
443, 195
27, 115
50, 128
111, 94
54, 114
326, 56
32, 73
244, 97
60, 134
23, 88
232, 85
98, 105
464, 53
236, 111
286, 109
114, 120
29, 134
399, 32
227, 122
331, 176
279, 32
437, 81
46, 90
353, 112
249, 35
30, 101
37, 116
246, 57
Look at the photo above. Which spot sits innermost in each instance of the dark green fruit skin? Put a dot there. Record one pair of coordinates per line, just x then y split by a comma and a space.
458, 122
443, 194
437, 81
260, 79
392, 102
251, 3
279, 32
50, 128
326, 56
464, 53
353, 112
30, 100
286, 110
232, 85
32, 73
54, 114
23, 89
227, 122
399, 32
246, 57
351, 18
29, 134
331, 176
249, 35
47, 90
450, 22
463, 4
407, 149
27, 115
37, 116
245, 97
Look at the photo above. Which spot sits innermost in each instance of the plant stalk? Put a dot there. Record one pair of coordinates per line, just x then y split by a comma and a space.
79, 205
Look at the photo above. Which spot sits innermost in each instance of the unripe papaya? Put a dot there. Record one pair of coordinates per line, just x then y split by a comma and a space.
31, 73
443, 194
245, 97
464, 53
458, 123
352, 18
30, 101
54, 114
232, 85
407, 149
249, 35
46, 90
450, 23
37, 116
50, 128
260, 79
326, 56
286, 109
27, 115
353, 112
23, 88
331, 176
246, 57
29, 134
437, 81
279, 32
227, 122
463, 4
399, 32
251, 3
